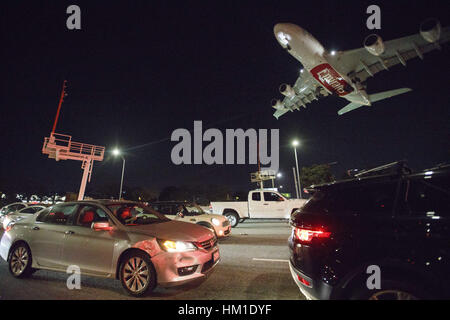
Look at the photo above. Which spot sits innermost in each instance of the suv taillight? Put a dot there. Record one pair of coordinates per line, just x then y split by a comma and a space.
306, 235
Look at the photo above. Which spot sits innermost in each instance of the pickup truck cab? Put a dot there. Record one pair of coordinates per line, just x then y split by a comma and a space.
261, 204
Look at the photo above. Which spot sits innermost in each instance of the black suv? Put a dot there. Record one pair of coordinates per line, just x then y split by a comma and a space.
376, 236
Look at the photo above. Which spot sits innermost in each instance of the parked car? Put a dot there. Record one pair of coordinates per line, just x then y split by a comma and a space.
261, 204
112, 239
189, 212
12, 207
21, 214
397, 223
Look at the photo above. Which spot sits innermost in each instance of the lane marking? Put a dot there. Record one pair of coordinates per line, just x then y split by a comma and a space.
271, 260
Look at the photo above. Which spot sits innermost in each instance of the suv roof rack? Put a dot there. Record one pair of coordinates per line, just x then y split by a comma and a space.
397, 167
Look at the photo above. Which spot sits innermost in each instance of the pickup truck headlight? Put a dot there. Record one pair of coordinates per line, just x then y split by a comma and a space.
176, 246
215, 221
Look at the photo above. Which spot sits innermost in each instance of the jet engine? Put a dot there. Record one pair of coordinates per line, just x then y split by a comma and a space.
430, 30
277, 104
286, 90
374, 44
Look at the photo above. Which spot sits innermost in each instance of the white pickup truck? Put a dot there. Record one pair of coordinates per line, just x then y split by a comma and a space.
261, 204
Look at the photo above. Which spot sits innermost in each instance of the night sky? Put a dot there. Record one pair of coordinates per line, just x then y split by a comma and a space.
140, 69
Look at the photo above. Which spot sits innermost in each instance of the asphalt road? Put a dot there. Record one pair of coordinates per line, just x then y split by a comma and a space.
253, 267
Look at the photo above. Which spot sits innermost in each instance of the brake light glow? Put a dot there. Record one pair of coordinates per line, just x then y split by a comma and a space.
304, 281
306, 235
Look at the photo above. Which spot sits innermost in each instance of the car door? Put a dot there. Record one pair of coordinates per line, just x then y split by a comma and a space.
255, 205
425, 223
91, 250
48, 234
271, 206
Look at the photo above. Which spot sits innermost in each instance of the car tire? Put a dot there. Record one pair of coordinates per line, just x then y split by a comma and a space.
20, 260
232, 217
390, 290
137, 274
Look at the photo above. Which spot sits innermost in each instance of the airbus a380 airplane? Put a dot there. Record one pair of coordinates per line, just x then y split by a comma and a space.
343, 73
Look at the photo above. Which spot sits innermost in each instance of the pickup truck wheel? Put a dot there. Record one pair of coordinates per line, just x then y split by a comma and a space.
232, 217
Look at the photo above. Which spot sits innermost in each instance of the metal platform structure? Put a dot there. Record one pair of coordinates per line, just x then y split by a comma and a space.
61, 147
260, 176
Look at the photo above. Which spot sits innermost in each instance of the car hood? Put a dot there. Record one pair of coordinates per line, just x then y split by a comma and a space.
174, 230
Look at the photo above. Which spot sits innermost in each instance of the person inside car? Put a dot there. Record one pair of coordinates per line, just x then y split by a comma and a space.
125, 216
180, 211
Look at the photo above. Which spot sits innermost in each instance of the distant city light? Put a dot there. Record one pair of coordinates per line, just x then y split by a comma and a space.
279, 175
333, 52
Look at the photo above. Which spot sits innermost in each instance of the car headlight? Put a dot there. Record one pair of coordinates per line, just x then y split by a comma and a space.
176, 246
6, 221
215, 221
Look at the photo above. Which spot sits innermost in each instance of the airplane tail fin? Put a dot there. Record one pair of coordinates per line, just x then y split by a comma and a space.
374, 98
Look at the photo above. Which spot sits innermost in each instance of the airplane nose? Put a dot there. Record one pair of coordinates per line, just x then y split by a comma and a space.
284, 32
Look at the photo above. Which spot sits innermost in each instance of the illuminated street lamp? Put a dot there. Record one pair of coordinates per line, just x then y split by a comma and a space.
296, 143
116, 152
279, 175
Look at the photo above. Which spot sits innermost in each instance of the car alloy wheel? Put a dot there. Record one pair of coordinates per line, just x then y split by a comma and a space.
136, 274
392, 295
19, 261
232, 218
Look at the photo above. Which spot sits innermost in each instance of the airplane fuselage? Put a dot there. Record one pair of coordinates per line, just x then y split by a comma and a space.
316, 60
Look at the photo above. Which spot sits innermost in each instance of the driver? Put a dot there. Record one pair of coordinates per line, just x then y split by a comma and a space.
180, 211
125, 216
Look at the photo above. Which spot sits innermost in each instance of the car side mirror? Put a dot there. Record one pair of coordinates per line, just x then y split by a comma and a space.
102, 226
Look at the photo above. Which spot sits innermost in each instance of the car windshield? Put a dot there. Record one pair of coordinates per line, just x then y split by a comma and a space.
133, 214
194, 210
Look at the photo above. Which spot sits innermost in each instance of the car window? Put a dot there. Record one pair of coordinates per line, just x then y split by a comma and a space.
134, 214
89, 214
58, 214
256, 196
272, 196
19, 206
13, 208
429, 197
29, 210
193, 210
166, 209
375, 198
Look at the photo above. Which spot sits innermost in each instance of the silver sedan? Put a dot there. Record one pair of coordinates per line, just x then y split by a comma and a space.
112, 239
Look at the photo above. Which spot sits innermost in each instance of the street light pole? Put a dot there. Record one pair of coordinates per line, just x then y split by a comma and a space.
295, 181
121, 180
116, 152
295, 144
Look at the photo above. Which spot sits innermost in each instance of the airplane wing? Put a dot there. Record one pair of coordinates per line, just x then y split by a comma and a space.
306, 89
398, 51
